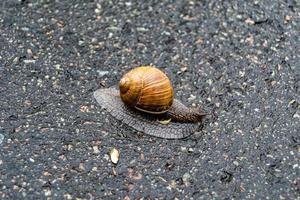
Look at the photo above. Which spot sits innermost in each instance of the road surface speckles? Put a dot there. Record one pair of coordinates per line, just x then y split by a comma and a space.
239, 60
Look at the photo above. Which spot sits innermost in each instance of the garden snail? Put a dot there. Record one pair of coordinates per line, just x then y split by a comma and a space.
144, 98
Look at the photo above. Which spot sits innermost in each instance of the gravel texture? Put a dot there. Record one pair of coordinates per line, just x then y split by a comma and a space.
238, 59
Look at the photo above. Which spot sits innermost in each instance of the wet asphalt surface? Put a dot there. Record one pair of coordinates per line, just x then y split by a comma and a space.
239, 60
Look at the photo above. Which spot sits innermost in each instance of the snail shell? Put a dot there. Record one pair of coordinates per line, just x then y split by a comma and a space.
147, 89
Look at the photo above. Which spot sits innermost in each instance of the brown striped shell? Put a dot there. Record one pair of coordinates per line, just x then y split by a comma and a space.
147, 89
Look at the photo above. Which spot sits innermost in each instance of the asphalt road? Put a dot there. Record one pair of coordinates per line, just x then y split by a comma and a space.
238, 59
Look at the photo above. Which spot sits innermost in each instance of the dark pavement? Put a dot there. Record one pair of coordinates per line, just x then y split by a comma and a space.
237, 59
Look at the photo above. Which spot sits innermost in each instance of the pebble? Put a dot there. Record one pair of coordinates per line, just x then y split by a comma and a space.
96, 150
102, 73
47, 192
249, 21
67, 196
236, 163
287, 18
142, 29
81, 166
81, 43
192, 98
209, 81
185, 179
29, 51
183, 69
183, 149
1, 138
114, 155
296, 115
97, 11
173, 184
29, 61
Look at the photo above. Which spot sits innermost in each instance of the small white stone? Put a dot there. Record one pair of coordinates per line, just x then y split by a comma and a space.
296, 115
81, 166
192, 97
94, 40
209, 81
1, 138
29, 61
25, 29
57, 66
102, 73
97, 10
47, 192
166, 33
29, 51
16, 59
81, 42
249, 21
114, 155
67, 196
142, 29
236, 163
185, 179
94, 169
295, 166
242, 73
99, 5
183, 69
96, 150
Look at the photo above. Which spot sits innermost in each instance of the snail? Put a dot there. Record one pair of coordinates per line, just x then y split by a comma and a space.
145, 99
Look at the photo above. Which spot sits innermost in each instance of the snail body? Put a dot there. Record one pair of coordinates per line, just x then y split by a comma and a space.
145, 97
147, 89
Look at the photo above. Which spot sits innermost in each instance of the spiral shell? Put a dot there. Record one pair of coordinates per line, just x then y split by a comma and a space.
147, 89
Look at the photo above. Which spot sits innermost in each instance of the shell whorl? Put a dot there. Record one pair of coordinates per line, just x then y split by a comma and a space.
130, 87
124, 85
